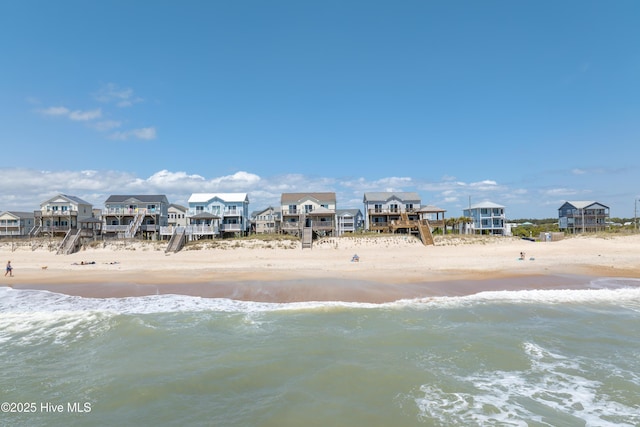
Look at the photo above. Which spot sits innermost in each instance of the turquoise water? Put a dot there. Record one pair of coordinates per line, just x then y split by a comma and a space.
523, 358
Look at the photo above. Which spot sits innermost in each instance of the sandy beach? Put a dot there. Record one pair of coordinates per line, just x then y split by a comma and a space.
390, 267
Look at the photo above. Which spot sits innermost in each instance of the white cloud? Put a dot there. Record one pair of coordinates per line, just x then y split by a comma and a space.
112, 93
25, 189
76, 115
142, 133
486, 184
559, 192
55, 111
239, 181
84, 116
106, 125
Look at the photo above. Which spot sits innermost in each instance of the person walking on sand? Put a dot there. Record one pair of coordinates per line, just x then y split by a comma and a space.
9, 269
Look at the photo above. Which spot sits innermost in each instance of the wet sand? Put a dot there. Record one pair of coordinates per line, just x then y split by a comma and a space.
390, 268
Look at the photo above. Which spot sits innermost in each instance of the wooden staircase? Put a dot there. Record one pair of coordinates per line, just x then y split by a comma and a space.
424, 229
135, 224
177, 241
35, 231
70, 243
307, 237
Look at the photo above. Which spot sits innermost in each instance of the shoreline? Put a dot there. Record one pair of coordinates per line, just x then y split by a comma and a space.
307, 290
390, 268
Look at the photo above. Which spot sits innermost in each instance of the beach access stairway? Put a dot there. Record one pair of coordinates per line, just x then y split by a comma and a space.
411, 225
177, 241
35, 231
134, 226
424, 230
70, 243
307, 237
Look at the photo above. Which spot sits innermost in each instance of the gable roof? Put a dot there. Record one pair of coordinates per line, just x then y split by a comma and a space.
178, 207
225, 197
17, 214
348, 212
288, 198
67, 198
385, 196
143, 198
276, 211
583, 204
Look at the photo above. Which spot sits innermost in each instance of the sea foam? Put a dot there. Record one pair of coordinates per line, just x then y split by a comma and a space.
624, 292
553, 387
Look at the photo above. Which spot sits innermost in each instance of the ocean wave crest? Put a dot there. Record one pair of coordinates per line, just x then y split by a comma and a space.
622, 292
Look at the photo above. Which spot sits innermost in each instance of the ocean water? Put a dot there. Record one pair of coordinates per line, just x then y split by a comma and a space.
521, 358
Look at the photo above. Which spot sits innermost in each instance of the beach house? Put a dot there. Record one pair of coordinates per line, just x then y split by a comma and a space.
230, 211
349, 221
177, 215
135, 215
397, 212
383, 208
60, 214
16, 224
582, 216
267, 221
486, 218
313, 211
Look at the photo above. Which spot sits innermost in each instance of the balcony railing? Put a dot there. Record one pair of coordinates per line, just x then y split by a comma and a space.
129, 211
290, 226
12, 233
390, 211
230, 227
58, 213
56, 228
189, 230
322, 225
115, 228
379, 224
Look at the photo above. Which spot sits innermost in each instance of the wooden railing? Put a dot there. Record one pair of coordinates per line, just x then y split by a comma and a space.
189, 230
58, 213
230, 227
127, 211
390, 211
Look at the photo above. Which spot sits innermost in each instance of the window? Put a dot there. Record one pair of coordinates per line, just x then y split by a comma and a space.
199, 209
409, 206
293, 209
308, 208
377, 208
393, 207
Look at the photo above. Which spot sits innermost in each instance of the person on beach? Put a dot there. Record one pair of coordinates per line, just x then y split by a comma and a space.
9, 269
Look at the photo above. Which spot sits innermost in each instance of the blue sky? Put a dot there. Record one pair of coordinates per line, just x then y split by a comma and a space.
522, 103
